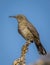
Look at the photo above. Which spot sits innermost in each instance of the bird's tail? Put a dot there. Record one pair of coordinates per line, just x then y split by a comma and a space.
40, 48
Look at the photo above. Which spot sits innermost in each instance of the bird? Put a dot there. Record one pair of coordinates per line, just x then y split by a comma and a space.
29, 32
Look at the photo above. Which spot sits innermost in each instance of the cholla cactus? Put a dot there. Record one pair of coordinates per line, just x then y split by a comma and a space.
21, 60
45, 60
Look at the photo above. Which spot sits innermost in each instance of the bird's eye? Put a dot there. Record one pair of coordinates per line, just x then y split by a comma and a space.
20, 18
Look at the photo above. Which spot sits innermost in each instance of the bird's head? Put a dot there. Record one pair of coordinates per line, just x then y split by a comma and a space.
19, 17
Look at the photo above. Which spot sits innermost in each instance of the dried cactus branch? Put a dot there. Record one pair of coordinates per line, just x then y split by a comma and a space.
21, 60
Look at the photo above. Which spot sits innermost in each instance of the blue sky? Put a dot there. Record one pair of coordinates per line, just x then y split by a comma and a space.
38, 13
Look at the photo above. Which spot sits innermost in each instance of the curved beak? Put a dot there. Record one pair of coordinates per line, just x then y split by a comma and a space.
12, 16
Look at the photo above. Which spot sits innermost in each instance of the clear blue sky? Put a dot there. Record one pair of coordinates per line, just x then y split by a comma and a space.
38, 13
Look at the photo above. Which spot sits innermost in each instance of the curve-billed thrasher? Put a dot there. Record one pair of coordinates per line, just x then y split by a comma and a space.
29, 32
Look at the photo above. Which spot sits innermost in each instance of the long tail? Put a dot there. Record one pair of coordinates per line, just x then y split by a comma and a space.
40, 48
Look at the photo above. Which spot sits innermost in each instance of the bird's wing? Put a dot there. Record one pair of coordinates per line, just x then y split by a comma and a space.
33, 30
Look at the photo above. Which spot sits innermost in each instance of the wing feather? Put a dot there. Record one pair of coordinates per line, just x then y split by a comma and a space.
33, 30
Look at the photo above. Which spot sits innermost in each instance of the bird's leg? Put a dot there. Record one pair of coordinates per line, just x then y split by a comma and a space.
21, 60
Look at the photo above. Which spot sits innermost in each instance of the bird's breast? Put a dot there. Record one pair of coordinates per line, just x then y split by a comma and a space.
25, 32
